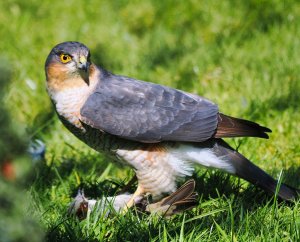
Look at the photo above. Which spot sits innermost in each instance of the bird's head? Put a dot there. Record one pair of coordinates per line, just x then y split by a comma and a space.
67, 65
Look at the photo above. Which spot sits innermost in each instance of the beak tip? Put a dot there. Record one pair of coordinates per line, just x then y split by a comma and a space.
87, 80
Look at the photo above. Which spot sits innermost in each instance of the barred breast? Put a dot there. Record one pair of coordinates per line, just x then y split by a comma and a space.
156, 167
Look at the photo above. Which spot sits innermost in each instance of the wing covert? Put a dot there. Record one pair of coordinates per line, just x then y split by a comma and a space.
148, 112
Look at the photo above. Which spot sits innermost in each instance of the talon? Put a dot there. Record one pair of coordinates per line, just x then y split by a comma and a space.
135, 198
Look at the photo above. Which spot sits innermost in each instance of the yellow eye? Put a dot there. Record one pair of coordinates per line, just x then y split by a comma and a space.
65, 58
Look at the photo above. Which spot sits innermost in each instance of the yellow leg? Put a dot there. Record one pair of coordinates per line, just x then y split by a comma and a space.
138, 192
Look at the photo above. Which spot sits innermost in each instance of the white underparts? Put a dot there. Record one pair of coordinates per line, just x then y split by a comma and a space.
157, 172
69, 102
202, 156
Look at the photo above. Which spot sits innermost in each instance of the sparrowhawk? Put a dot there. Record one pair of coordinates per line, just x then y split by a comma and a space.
161, 132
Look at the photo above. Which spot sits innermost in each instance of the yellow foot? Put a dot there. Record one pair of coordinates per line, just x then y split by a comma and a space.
139, 192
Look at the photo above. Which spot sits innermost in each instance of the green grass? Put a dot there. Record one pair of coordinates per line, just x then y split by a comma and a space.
244, 55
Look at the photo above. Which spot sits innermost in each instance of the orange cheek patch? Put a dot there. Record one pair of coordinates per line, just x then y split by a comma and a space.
59, 78
92, 69
56, 71
56, 74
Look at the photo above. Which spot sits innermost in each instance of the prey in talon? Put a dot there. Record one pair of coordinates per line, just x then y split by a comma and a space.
185, 198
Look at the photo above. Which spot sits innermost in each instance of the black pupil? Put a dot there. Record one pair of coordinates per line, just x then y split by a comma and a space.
65, 57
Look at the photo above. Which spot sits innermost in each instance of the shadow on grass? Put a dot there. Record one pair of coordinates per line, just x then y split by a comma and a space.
218, 184
214, 187
292, 176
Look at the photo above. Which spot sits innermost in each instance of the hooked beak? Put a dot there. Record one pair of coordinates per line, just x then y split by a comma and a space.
83, 66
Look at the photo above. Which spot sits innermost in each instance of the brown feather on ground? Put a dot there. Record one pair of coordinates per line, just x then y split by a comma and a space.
183, 199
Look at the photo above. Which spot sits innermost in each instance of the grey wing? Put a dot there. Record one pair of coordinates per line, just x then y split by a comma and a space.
148, 112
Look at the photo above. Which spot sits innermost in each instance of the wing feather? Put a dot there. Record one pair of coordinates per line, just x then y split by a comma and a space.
148, 112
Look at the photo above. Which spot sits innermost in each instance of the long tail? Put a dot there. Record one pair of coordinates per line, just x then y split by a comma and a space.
235, 127
247, 170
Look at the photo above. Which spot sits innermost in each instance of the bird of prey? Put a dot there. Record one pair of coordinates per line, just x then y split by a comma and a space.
159, 131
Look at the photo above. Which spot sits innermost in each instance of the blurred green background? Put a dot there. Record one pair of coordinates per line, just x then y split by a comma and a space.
243, 55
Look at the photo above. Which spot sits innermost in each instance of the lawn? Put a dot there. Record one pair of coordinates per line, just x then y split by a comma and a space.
243, 55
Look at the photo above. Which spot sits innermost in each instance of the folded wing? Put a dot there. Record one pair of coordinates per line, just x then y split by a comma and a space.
148, 112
